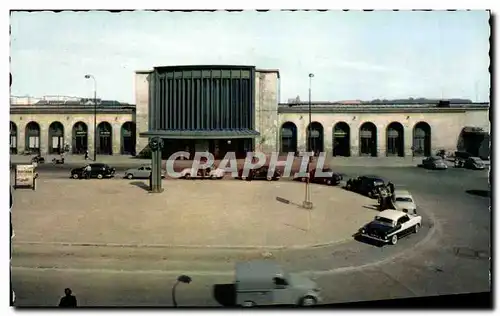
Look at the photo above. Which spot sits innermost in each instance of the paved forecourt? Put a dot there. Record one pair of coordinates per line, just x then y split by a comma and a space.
195, 213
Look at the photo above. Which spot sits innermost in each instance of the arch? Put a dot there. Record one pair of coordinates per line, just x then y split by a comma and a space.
80, 138
32, 141
341, 139
470, 140
56, 138
104, 139
13, 138
395, 139
368, 139
288, 134
128, 138
315, 137
421, 139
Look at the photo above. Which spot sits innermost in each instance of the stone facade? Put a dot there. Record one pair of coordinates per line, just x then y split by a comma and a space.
116, 120
266, 110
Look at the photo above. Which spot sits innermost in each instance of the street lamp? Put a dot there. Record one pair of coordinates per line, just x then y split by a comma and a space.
307, 204
180, 279
95, 115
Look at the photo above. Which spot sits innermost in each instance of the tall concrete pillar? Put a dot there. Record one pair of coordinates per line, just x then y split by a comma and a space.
328, 140
381, 141
156, 145
21, 138
354, 140
408, 141
44, 138
117, 138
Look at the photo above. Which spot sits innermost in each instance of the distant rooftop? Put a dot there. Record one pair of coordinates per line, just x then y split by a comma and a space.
62, 100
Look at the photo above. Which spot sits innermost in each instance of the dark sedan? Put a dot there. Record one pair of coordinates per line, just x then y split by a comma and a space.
365, 185
327, 176
475, 163
261, 173
97, 170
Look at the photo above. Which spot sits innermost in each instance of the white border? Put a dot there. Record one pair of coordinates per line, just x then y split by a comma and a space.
186, 4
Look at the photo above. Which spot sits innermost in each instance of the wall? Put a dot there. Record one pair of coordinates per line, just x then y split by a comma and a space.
68, 121
141, 108
445, 127
266, 110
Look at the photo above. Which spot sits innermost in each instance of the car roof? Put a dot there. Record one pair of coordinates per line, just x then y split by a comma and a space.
373, 177
391, 214
402, 193
250, 270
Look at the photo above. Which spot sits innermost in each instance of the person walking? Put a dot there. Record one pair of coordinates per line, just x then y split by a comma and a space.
86, 154
68, 300
87, 171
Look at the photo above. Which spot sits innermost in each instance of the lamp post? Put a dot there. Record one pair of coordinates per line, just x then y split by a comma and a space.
307, 204
95, 114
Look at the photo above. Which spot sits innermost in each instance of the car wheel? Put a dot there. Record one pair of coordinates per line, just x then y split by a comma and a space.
348, 186
394, 239
269, 178
328, 182
248, 304
187, 176
303, 179
75, 176
243, 178
416, 229
99, 176
370, 194
130, 176
308, 301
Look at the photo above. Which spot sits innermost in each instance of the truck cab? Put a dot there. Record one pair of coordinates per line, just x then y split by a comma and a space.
263, 282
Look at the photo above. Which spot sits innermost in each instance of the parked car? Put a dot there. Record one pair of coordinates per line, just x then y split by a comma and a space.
38, 159
259, 174
332, 178
264, 282
404, 201
365, 185
474, 163
391, 225
141, 172
434, 162
97, 170
208, 173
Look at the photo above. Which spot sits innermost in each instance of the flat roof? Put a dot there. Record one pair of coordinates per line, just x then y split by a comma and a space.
268, 71
391, 214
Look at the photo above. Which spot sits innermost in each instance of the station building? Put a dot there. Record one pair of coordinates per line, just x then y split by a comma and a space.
236, 108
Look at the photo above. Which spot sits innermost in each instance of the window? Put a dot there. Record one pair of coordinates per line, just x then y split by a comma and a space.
148, 168
403, 220
384, 220
403, 199
280, 282
141, 168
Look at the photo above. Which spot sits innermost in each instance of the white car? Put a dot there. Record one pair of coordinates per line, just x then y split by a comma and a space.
209, 174
391, 225
404, 201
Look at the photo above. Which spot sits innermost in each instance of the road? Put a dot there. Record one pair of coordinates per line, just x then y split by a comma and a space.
449, 255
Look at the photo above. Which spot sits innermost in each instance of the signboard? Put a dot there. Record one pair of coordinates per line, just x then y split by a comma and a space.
81, 133
25, 176
105, 133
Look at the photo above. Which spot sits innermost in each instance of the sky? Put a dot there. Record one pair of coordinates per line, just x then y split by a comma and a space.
353, 55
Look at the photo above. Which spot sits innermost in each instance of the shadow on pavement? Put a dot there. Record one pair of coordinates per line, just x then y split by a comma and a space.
481, 193
225, 294
141, 185
286, 201
371, 207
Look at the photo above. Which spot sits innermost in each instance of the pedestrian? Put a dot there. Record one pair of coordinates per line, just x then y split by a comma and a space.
390, 185
68, 300
87, 171
86, 155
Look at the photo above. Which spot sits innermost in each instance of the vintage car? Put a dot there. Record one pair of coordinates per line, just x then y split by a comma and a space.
434, 162
97, 170
208, 173
475, 163
391, 225
142, 172
38, 159
259, 174
365, 185
333, 178
404, 201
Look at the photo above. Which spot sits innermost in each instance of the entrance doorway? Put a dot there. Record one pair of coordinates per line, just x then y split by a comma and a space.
341, 140
315, 138
368, 139
56, 138
13, 138
395, 139
422, 139
288, 137
32, 141
128, 138
80, 138
104, 142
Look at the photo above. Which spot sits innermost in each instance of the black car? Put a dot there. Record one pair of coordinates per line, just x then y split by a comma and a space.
331, 179
365, 185
474, 163
259, 174
97, 170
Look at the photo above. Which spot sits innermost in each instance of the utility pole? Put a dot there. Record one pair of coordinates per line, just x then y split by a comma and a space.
95, 115
307, 204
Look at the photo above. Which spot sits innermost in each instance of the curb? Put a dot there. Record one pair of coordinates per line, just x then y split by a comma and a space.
168, 246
